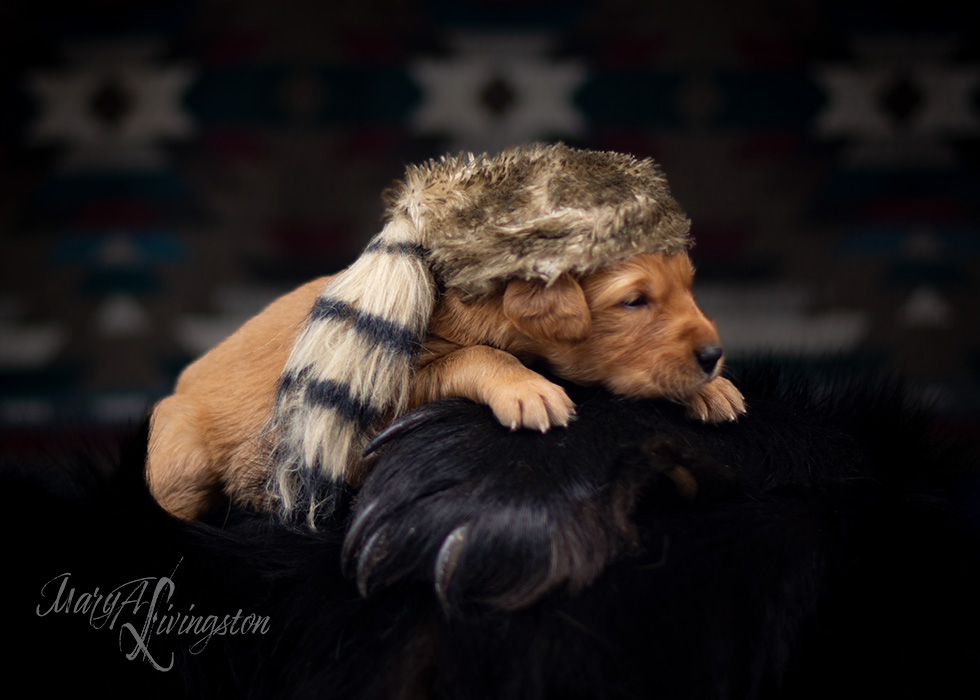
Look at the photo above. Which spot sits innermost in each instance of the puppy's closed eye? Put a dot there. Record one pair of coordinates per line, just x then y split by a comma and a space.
635, 301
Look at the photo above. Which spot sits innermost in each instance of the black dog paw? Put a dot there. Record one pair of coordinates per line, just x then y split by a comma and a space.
496, 517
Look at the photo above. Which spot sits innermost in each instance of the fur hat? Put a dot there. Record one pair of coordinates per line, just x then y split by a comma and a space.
466, 222
535, 213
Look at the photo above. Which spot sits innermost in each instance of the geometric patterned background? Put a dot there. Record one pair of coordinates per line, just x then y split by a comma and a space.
167, 168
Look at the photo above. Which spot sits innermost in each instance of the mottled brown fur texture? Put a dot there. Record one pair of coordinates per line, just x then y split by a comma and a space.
537, 213
576, 258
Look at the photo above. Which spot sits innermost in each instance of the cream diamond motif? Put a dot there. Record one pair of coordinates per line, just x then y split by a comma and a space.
145, 107
497, 91
932, 101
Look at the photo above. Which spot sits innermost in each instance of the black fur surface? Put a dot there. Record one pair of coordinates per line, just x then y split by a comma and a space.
820, 547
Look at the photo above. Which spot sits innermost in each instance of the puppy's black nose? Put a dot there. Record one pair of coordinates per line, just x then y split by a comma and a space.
708, 356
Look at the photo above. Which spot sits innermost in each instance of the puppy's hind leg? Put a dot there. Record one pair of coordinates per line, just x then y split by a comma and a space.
178, 468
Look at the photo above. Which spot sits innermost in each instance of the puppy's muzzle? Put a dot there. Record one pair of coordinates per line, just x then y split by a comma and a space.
708, 357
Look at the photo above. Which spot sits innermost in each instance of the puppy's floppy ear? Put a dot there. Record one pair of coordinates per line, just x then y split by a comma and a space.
556, 312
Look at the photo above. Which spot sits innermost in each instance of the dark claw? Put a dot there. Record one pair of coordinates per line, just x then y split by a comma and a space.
370, 556
352, 540
446, 561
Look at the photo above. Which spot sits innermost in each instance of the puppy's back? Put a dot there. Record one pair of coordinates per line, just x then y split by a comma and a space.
219, 408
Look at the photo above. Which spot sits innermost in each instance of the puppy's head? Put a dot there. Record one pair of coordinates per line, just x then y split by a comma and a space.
633, 327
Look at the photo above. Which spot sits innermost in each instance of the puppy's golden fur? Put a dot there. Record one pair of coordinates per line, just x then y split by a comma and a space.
633, 328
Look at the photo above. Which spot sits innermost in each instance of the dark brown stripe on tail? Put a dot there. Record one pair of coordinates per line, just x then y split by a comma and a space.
337, 396
379, 331
416, 249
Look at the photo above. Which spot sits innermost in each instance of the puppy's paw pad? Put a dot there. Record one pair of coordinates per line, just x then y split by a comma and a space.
535, 404
718, 401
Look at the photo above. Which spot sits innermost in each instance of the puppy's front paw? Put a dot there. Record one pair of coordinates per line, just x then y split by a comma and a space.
530, 402
716, 402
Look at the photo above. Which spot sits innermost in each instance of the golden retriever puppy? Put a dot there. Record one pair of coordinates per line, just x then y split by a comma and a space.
633, 328
577, 258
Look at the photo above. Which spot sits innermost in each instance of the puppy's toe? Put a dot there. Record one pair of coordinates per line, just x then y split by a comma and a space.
534, 413
560, 408
718, 401
507, 408
535, 404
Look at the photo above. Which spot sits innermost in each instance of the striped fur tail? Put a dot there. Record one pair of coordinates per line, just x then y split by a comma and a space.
350, 368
